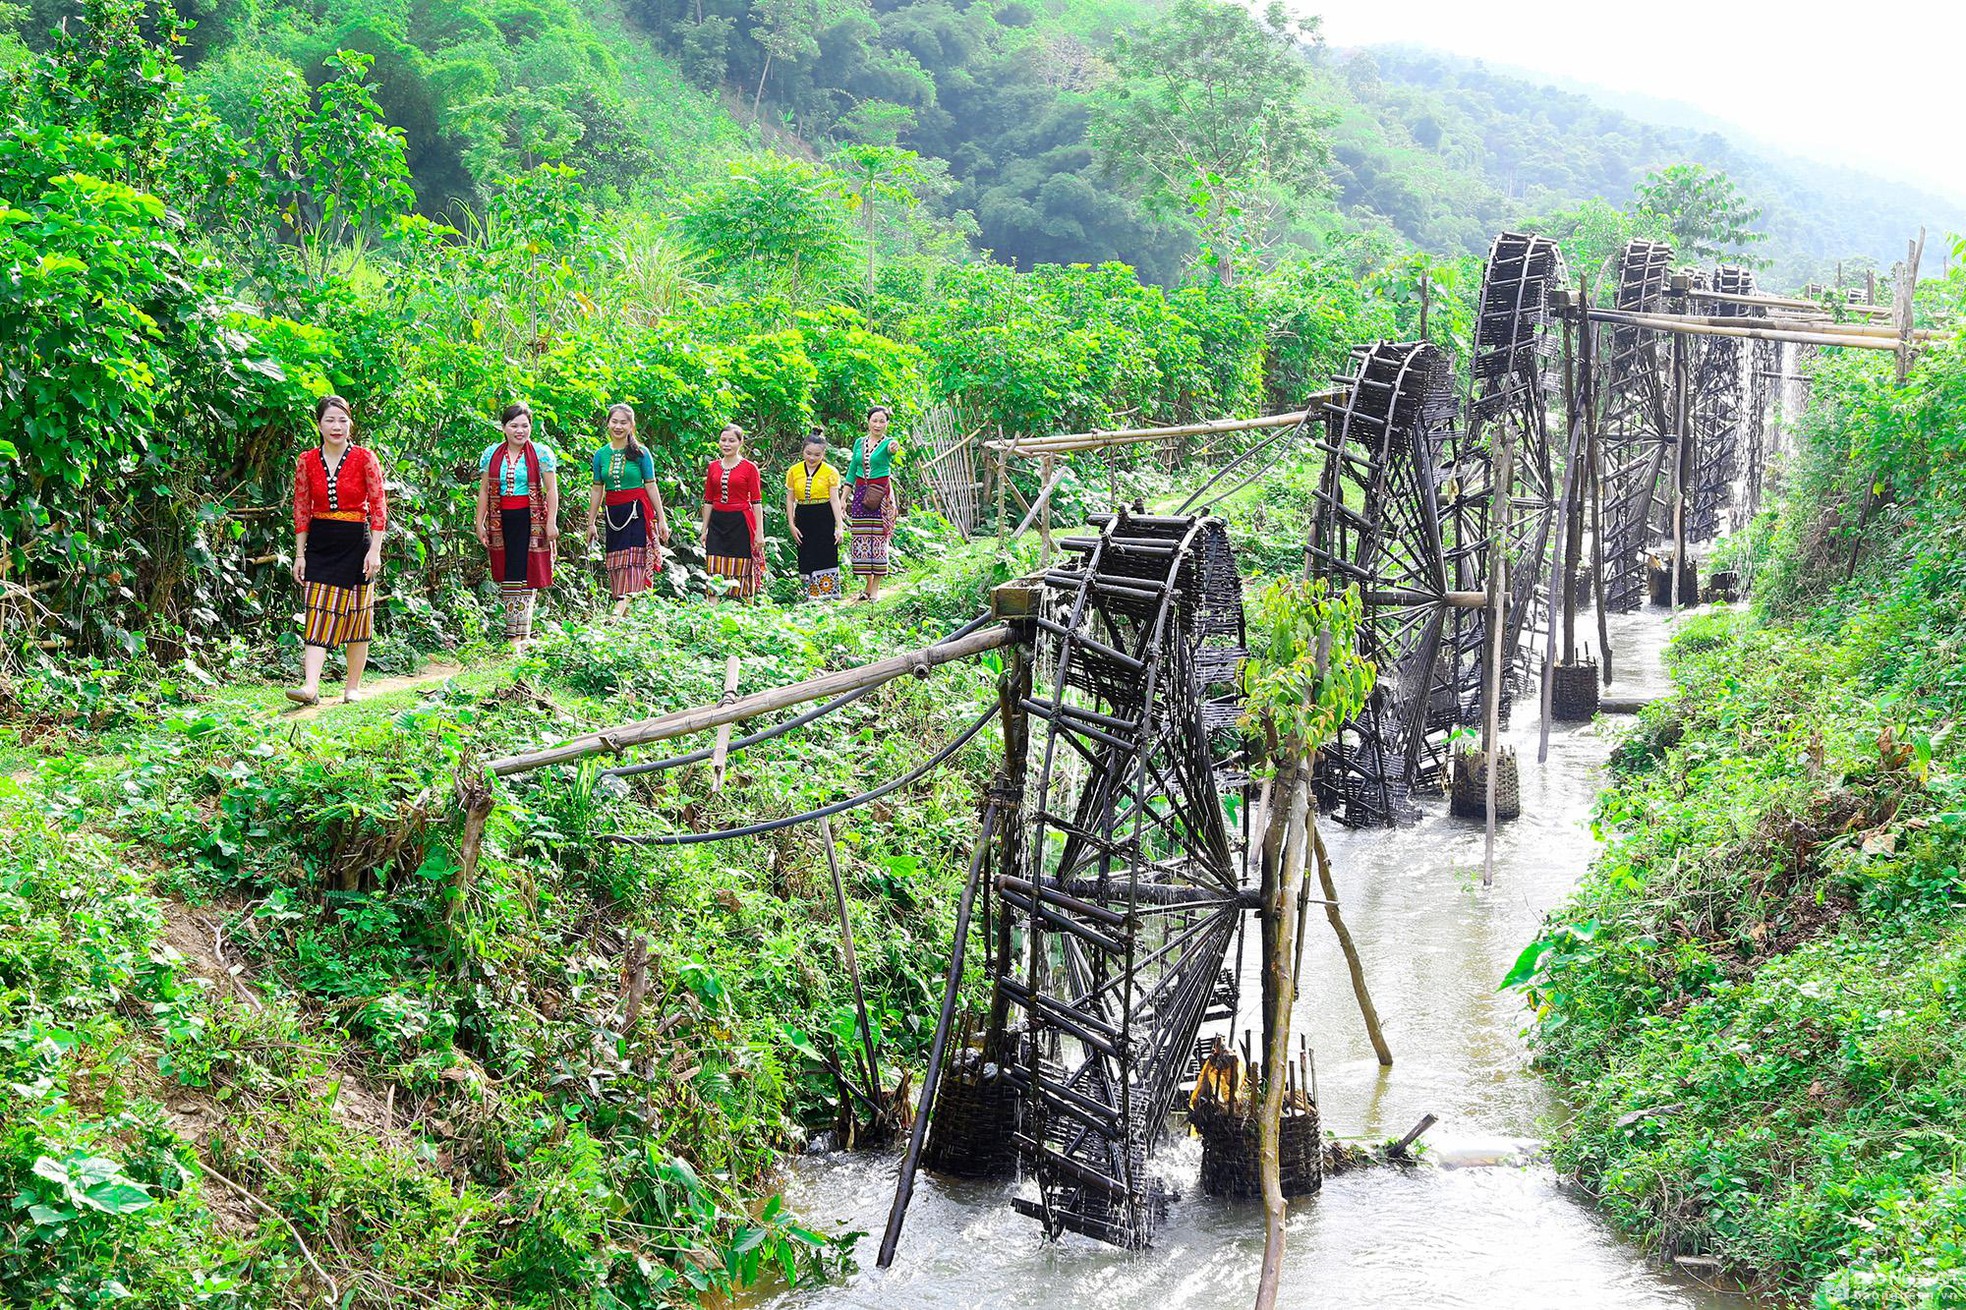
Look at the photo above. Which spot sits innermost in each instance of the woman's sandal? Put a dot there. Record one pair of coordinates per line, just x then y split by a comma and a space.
350, 696
302, 697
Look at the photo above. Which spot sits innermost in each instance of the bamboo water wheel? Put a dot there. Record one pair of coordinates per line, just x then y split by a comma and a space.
1515, 345
1720, 407
1127, 887
1635, 424
1401, 512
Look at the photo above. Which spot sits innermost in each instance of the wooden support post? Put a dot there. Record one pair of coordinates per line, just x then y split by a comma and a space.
1329, 886
1682, 468
1595, 446
722, 747
1914, 253
1500, 499
1044, 511
1012, 691
904, 1188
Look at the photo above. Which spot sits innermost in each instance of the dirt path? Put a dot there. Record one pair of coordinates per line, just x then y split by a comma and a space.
375, 688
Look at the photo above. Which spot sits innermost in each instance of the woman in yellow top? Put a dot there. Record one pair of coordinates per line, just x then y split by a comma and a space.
816, 508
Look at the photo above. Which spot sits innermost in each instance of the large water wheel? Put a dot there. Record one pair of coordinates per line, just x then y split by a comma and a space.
1128, 884
1635, 424
1515, 344
1720, 387
1403, 515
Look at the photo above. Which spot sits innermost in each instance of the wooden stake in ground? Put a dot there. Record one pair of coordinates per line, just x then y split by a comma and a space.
723, 731
1368, 1011
852, 965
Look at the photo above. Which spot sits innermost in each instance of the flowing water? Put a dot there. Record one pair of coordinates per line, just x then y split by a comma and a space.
1487, 1227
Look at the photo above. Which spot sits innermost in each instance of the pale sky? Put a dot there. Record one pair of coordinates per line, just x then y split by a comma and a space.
1876, 86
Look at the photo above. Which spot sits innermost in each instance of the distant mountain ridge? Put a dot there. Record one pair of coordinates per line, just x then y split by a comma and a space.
1535, 148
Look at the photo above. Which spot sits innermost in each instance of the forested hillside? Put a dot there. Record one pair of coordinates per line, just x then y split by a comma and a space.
1001, 108
1448, 151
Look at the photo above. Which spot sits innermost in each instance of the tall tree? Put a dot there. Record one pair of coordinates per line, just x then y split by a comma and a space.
1706, 213
879, 173
1206, 112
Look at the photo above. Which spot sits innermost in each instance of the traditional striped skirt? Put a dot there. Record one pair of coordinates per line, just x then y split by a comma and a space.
727, 552
632, 557
340, 601
870, 531
337, 616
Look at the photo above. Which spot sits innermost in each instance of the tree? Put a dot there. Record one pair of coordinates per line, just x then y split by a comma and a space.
784, 28
1706, 214
1207, 113
775, 220
879, 172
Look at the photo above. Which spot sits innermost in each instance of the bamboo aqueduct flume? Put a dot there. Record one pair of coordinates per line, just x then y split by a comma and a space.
1145, 824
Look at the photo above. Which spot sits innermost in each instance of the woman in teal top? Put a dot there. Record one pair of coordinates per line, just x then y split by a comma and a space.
518, 517
624, 489
870, 512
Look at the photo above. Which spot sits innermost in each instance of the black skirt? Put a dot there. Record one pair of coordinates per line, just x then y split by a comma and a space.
818, 551
633, 535
515, 526
335, 548
730, 534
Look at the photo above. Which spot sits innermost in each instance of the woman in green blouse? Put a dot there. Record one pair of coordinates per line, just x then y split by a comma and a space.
625, 492
870, 510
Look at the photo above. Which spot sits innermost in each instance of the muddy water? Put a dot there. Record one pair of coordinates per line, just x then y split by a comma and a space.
1490, 1227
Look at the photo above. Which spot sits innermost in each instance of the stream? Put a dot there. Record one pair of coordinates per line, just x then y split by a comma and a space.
1487, 1226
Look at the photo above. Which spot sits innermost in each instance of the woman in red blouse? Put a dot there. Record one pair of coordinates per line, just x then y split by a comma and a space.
732, 521
340, 513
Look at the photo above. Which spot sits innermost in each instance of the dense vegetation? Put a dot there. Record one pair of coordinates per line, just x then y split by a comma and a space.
1759, 993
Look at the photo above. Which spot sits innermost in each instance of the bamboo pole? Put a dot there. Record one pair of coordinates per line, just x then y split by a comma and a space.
703, 718
722, 748
1065, 442
873, 1069
1329, 886
1888, 330
1670, 323
904, 1188
1784, 302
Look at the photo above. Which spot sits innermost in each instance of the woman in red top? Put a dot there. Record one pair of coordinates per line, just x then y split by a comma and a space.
340, 513
732, 521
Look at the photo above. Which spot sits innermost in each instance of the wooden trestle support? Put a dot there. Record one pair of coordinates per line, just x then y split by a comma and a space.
1401, 511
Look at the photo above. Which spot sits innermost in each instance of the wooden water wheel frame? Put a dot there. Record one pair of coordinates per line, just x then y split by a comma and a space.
1635, 425
1127, 884
1515, 343
1402, 514
1719, 412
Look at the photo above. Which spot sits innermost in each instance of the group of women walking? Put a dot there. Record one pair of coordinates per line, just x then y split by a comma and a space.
341, 514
